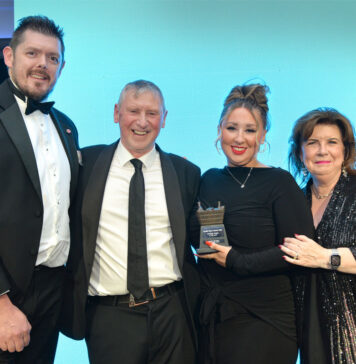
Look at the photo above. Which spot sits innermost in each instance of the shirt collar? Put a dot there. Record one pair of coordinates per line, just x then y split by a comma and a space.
124, 156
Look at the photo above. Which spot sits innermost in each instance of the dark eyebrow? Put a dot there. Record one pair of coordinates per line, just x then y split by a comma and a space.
246, 126
332, 138
33, 48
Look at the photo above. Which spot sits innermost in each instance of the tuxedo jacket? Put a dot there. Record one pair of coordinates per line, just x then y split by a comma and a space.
21, 205
181, 182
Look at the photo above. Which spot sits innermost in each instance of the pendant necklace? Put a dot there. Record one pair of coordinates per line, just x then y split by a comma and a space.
320, 197
244, 182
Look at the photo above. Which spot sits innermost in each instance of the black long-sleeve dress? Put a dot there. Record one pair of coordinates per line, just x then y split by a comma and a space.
247, 312
326, 299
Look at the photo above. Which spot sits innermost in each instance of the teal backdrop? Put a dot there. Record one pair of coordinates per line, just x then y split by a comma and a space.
196, 51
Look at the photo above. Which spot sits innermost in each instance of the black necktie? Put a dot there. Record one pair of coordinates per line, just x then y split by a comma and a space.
32, 105
137, 269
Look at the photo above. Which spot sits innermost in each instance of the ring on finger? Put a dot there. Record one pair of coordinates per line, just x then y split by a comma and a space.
296, 257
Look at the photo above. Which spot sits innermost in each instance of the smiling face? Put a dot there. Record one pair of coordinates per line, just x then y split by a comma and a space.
35, 64
323, 152
241, 135
141, 118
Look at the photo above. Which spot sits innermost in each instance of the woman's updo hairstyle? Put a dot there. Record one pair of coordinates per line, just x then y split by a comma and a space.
251, 97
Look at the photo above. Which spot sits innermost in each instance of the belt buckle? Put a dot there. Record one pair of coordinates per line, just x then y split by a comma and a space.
132, 302
153, 293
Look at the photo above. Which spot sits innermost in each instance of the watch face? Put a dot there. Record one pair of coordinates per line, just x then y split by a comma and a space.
335, 261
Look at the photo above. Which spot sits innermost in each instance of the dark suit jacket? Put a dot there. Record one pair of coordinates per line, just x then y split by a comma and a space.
21, 206
181, 183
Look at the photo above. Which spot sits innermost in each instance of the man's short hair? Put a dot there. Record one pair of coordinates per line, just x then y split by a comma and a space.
40, 24
139, 87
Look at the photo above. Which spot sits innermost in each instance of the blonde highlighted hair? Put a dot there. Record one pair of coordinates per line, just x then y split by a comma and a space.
251, 97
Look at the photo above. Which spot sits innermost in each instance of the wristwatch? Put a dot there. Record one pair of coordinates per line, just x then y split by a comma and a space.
335, 259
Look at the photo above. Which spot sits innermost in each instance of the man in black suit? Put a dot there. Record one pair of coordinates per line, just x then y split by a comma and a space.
38, 169
134, 308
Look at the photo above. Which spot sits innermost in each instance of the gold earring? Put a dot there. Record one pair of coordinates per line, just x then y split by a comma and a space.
343, 170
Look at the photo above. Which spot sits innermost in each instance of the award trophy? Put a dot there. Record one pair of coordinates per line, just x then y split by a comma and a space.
211, 228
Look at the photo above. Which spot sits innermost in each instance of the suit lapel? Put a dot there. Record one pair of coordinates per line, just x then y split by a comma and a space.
16, 128
92, 202
174, 205
14, 124
70, 149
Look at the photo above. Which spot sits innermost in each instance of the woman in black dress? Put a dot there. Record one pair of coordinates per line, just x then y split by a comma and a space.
247, 311
323, 147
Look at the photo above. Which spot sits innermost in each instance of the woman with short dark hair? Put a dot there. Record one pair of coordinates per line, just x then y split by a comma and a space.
323, 151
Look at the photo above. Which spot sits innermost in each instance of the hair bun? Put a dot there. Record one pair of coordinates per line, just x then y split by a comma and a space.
255, 94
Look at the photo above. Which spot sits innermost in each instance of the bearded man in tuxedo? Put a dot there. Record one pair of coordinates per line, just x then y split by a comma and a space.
38, 169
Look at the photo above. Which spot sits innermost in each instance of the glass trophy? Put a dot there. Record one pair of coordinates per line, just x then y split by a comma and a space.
211, 228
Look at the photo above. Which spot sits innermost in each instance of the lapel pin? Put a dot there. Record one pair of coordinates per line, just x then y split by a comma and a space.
68, 131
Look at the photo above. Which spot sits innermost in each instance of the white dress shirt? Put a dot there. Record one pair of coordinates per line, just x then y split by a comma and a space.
54, 174
109, 273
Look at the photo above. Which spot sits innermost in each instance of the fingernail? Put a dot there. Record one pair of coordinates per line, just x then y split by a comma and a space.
296, 235
196, 255
284, 257
208, 243
279, 246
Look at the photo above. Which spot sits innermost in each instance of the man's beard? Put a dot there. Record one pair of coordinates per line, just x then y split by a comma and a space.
32, 95
38, 97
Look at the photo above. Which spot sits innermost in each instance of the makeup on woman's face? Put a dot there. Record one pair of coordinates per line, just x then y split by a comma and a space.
323, 152
241, 135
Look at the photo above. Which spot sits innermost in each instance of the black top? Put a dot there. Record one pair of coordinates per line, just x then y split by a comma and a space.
327, 298
257, 218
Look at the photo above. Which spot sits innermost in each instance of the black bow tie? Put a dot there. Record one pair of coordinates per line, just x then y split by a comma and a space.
32, 105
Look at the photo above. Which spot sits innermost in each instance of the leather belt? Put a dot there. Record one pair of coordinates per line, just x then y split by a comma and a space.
41, 268
150, 295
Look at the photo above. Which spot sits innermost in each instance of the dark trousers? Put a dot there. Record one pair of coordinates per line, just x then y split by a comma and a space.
41, 304
153, 333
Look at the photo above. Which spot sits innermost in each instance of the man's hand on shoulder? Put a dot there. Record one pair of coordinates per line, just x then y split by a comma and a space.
14, 327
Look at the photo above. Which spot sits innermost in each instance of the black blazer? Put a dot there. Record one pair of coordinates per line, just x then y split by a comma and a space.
21, 207
181, 183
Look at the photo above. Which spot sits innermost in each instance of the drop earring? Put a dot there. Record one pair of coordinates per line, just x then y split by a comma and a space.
265, 146
343, 170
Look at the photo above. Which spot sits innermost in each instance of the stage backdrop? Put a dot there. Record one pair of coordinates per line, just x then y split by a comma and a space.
196, 51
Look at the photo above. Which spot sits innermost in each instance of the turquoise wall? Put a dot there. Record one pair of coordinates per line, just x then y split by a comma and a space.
196, 51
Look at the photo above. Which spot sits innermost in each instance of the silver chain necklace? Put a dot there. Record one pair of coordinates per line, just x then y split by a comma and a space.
244, 182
